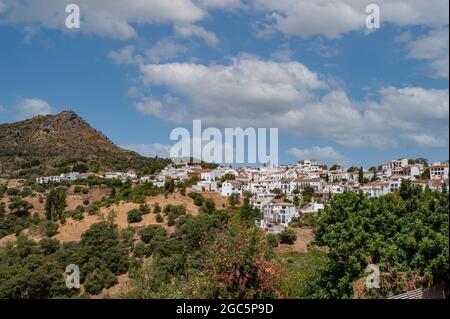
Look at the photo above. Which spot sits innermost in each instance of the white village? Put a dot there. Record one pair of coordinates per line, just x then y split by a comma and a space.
285, 192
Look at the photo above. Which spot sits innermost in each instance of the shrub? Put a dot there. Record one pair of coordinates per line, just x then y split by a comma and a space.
198, 198
287, 236
144, 208
147, 234
12, 191
134, 216
48, 228
272, 240
139, 250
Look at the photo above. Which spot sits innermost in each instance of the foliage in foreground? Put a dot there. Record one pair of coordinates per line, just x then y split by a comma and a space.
404, 232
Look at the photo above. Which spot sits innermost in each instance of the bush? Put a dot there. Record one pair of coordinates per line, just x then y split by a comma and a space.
98, 279
48, 245
144, 208
159, 218
198, 198
26, 191
287, 236
273, 240
156, 208
134, 216
48, 228
12, 191
139, 250
209, 206
147, 234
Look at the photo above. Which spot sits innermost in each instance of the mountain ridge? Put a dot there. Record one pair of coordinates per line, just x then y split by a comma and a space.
31, 146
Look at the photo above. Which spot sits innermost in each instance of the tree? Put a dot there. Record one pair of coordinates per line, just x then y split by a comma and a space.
405, 232
20, 205
56, 203
361, 176
169, 186
233, 199
247, 213
144, 208
335, 167
209, 206
425, 174
287, 236
308, 194
48, 228
134, 216
156, 208
236, 266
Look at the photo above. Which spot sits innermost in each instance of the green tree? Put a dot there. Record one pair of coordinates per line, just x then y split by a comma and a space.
361, 175
308, 194
56, 203
134, 216
233, 199
287, 236
405, 232
247, 213
209, 206
425, 174
20, 205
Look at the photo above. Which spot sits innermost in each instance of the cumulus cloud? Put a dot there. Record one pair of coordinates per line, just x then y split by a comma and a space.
113, 18
165, 49
28, 108
333, 18
2, 109
190, 30
149, 150
325, 154
125, 55
251, 92
433, 48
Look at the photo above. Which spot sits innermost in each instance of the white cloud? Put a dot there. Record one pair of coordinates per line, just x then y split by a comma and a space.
190, 30
112, 18
149, 150
2, 109
325, 154
2, 7
333, 18
284, 53
250, 92
434, 48
165, 49
123, 56
28, 108
221, 4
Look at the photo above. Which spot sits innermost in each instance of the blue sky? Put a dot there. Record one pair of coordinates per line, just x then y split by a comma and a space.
336, 91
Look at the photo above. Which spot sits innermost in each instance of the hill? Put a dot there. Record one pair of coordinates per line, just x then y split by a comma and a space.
59, 143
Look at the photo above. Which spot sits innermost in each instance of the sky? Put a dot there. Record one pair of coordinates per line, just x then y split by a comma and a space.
337, 91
